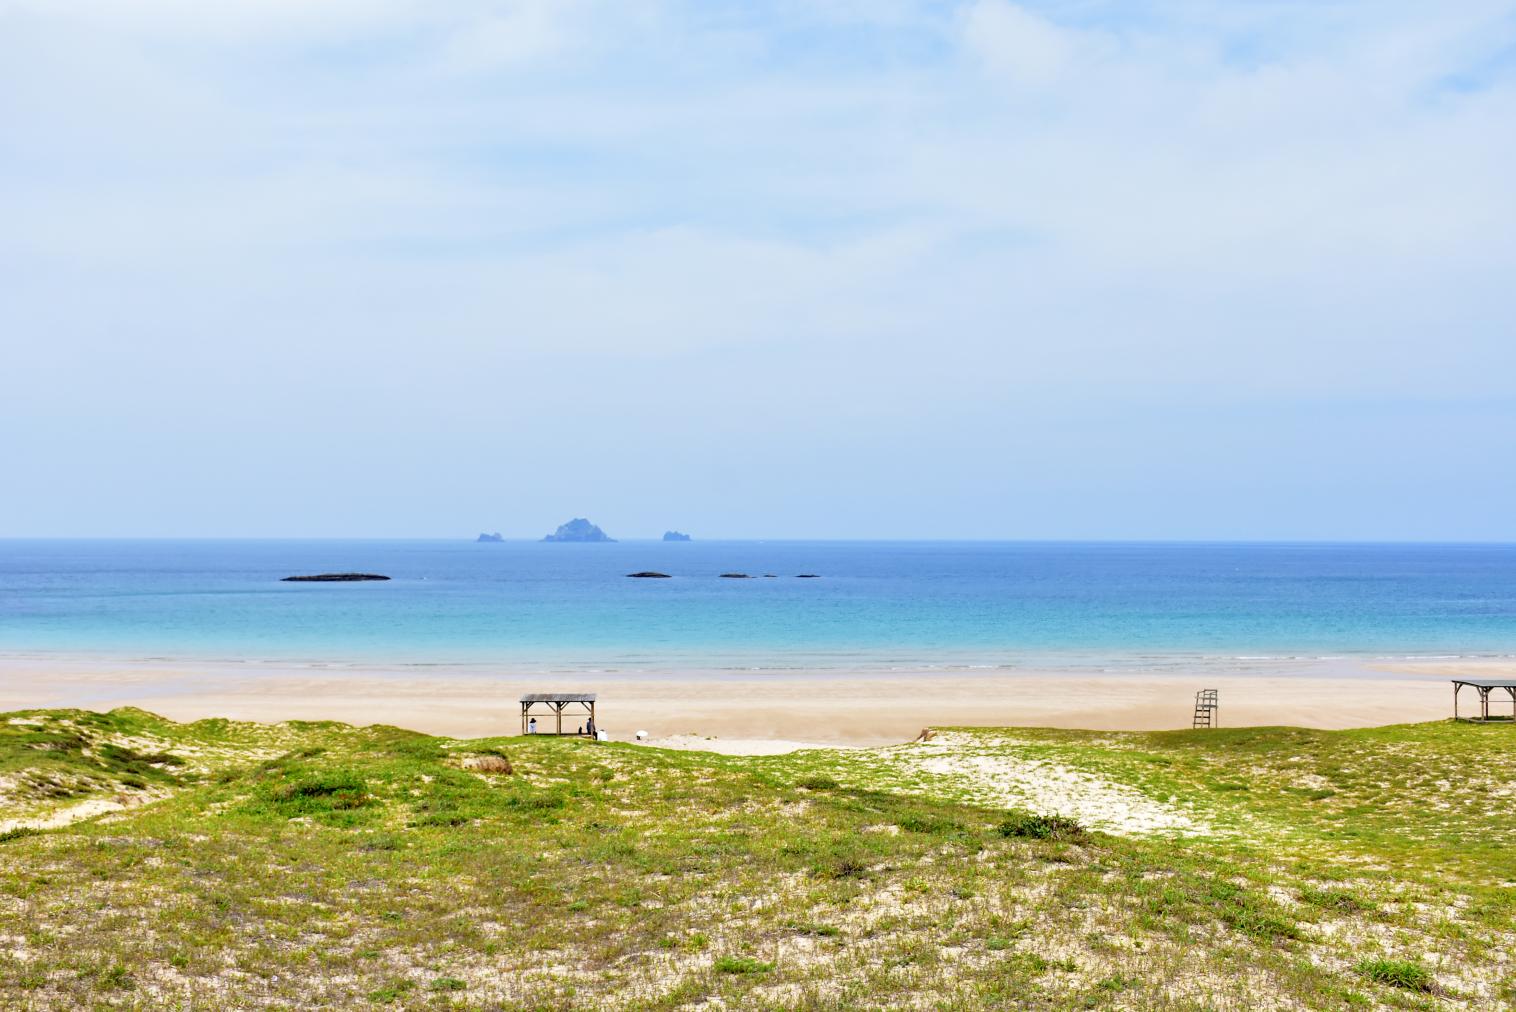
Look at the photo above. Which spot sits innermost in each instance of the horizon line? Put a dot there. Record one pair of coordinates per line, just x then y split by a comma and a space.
657, 539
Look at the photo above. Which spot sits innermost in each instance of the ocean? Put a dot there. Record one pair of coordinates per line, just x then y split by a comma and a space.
875, 605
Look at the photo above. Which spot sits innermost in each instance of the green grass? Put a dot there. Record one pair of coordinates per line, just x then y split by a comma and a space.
1399, 973
315, 864
741, 964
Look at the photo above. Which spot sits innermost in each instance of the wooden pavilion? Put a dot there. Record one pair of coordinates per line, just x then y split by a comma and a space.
1483, 687
554, 704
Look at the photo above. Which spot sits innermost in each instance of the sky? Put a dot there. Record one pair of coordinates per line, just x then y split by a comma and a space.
839, 268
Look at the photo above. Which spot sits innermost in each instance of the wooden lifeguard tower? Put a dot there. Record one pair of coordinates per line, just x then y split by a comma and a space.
554, 704
1206, 708
1482, 688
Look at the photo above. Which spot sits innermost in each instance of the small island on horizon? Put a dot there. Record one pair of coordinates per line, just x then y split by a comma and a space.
495, 538
579, 530
675, 536
335, 578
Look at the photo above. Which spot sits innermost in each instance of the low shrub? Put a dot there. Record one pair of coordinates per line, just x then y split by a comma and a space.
392, 991
330, 793
340, 789
1043, 827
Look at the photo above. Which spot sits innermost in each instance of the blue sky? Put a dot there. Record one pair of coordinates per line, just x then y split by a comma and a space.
784, 269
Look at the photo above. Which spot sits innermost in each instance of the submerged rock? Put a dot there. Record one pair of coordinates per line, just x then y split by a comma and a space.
578, 529
807, 576
735, 576
675, 536
489, 538
648, 575
334, 578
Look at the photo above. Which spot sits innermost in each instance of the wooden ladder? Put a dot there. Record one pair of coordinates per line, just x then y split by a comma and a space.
1205, 708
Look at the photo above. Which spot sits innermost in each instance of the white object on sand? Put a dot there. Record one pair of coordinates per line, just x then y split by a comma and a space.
642, 736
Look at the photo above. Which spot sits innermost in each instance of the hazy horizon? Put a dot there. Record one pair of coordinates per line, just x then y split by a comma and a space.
509, 538
965, 270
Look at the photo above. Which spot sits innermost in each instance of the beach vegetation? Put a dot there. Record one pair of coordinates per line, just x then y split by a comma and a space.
1401, 973
224, 864
1042, 827
741, 964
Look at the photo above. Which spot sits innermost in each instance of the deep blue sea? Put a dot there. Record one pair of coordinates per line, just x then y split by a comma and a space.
875, 605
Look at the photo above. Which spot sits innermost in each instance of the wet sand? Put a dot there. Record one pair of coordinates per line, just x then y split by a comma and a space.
831, 707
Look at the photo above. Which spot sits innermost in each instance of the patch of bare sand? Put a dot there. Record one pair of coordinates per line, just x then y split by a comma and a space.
733, 746
1006, 780
70, 814
999, 780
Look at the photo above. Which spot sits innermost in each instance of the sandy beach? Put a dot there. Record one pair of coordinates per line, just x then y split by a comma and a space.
722, 710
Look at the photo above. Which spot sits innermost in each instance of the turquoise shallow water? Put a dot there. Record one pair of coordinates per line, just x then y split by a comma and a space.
876, 605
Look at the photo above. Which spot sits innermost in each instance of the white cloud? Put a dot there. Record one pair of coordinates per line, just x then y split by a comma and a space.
513, 35
1023, 46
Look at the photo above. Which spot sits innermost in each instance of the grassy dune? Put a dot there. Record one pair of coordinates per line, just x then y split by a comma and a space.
227, 865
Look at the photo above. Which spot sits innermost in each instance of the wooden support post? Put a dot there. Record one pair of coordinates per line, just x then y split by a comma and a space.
557, 703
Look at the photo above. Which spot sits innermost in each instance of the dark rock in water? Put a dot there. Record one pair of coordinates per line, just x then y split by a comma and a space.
807, 576
735, 576
675, 536
648, 575
334, 578
489, 538
578, 529
768, 576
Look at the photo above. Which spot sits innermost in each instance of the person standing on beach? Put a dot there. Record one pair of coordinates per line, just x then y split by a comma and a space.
531, 726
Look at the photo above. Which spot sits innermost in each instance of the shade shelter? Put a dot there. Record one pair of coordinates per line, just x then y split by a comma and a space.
553, 704
1482, 688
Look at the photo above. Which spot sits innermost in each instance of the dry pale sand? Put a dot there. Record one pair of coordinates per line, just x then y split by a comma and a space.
731, 711
736, 746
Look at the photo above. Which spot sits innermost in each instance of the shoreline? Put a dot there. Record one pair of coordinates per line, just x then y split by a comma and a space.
816, 707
